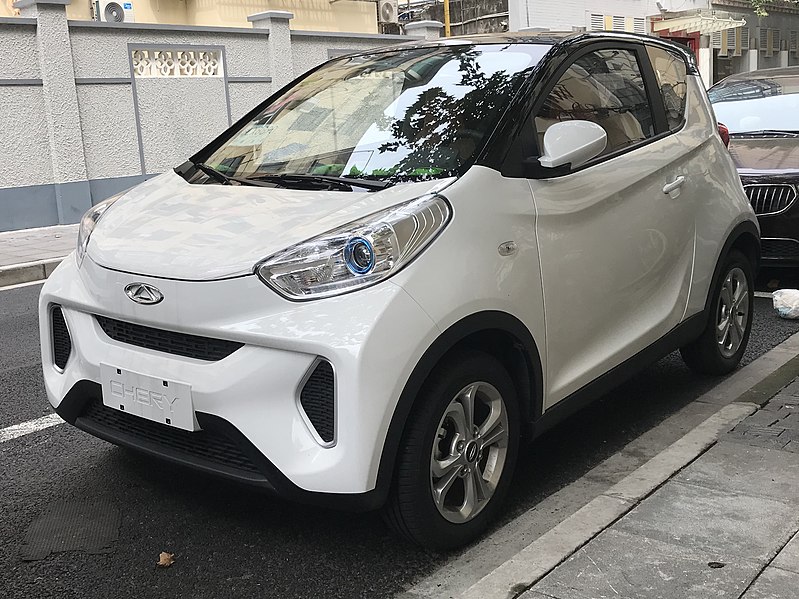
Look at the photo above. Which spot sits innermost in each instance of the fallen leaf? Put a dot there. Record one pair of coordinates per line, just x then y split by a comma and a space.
165, 559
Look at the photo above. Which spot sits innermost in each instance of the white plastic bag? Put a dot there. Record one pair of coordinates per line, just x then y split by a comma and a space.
786, 302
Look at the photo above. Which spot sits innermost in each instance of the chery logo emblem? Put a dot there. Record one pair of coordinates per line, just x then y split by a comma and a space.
142, 293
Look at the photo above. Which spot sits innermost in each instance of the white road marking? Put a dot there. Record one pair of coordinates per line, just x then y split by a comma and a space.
31, 426
763, 294
20, 285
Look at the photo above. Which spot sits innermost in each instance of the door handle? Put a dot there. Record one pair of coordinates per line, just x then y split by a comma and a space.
674, 185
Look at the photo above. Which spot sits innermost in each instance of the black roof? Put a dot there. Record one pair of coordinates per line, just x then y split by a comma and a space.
563, 39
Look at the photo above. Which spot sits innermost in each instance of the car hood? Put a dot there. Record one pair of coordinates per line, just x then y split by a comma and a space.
169, 228
754, 156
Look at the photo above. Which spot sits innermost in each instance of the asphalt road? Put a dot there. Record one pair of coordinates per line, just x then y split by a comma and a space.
230, 541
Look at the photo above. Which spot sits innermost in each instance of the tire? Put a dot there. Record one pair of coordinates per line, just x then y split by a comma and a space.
719, 348
437, 432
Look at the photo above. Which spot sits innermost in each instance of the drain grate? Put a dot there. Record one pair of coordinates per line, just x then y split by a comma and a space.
73, 526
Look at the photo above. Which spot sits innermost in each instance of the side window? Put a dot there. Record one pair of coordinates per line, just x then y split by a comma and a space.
607, 88
670, 73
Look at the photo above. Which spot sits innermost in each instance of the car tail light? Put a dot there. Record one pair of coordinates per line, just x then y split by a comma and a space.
725, 134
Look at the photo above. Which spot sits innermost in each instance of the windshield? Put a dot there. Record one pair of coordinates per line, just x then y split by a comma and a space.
752, 105
409, 114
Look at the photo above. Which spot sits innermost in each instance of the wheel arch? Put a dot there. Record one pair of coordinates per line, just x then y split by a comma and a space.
502, 335
745, 237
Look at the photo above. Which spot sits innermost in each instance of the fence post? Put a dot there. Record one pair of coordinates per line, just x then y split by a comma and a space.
57, 69
281, 60
429, 30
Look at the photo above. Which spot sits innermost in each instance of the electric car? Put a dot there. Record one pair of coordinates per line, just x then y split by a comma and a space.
379, 282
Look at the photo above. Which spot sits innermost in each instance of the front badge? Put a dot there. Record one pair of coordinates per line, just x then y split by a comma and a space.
142, 293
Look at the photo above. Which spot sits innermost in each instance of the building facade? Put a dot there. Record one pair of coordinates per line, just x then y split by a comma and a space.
726, 36
312, 15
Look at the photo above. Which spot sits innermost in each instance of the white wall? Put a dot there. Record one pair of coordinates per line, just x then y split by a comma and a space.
124, 126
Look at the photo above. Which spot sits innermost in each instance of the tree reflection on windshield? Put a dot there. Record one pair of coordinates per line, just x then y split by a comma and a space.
441, 131
408, 114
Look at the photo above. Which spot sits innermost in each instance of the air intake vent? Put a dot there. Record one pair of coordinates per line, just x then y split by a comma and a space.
318, 400
62, 344
779, 248
205, 448
170, 342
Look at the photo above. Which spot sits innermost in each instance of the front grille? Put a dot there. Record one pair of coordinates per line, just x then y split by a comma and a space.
318, 400
170, 342
770, 198
206, 447
62, 344
779, 248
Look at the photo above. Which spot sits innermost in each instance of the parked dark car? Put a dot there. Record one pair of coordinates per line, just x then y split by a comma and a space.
761, 111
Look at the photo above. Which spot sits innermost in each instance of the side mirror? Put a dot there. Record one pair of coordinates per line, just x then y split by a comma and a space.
574, 142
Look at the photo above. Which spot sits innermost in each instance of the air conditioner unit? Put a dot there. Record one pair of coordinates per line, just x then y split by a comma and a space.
387, 11
113, 12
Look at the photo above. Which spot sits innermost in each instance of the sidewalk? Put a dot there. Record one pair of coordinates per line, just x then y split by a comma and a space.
725, 526
32, 254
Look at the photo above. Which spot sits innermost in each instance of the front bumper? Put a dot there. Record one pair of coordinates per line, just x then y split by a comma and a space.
782, 252
253, 428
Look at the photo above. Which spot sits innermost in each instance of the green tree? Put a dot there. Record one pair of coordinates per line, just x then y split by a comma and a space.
761, 6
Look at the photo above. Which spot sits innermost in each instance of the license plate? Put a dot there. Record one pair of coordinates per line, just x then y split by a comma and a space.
156, 399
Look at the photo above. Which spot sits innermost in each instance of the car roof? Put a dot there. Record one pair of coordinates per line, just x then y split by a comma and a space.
542, 37
553, 38
765, 74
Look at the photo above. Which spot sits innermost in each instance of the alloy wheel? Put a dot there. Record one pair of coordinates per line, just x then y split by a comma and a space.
732, 315
469, 452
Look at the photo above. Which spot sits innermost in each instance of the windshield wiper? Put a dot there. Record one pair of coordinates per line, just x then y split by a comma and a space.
340, 182
226, 179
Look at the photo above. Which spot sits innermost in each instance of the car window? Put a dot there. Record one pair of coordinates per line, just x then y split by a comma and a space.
670, 73
607, 88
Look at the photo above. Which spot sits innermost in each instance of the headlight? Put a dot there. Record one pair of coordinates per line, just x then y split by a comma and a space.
356, 255
87, 224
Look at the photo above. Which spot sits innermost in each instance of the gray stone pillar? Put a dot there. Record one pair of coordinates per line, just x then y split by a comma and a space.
429, 30
57, 68
281, 61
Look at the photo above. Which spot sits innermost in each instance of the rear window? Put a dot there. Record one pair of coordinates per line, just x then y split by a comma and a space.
670, 73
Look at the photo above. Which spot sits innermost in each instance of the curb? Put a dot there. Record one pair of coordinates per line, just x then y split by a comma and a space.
544, 554
27, 272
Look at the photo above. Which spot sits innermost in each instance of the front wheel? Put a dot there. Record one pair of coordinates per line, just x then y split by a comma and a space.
719, 348
457, 454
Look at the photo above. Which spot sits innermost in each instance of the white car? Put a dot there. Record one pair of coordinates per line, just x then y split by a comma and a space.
375, 285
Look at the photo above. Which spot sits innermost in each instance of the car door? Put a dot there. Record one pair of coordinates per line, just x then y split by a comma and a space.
616, 236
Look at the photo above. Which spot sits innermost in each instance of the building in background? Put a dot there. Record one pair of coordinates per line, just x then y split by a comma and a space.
726, 36
354, 16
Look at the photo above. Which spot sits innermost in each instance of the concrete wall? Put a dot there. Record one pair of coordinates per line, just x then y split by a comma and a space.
90, 109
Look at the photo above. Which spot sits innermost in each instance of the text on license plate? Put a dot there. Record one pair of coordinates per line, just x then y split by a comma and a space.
156, 399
